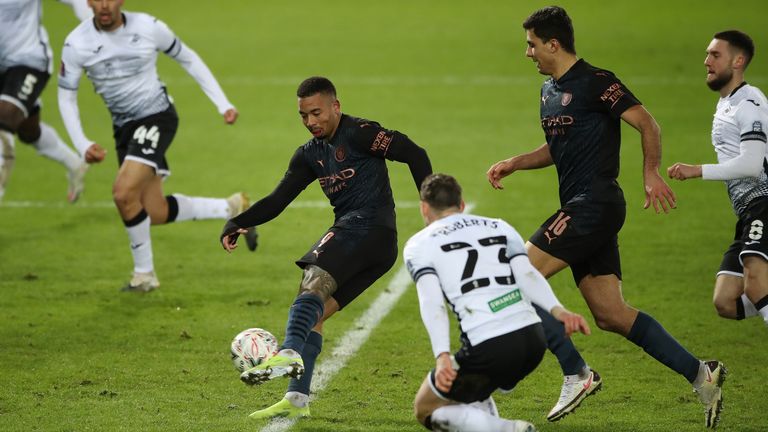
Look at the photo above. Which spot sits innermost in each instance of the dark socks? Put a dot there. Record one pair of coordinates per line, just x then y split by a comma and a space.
570, 360
312, 348
305, 312
649, 335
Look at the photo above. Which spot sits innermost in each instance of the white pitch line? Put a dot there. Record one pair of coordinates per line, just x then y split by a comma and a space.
354, 338
110, 204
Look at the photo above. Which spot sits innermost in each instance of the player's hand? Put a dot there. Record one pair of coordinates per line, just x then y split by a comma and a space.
229, 236
498, 171
445, 374
681, 171
230, 116
572, 322
658, 193
95, 154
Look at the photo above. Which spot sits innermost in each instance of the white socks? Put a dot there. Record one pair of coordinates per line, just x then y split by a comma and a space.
467, 418
141, 246
7, 158
299, 400
51, 146
193, 208
749, 307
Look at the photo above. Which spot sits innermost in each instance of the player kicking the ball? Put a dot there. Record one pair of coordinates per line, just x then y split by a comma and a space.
347, 158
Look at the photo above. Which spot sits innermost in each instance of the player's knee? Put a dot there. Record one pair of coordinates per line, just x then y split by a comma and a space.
609, 323
725, 307
317, 282
123, 196
10, 117
422, 415
29, 132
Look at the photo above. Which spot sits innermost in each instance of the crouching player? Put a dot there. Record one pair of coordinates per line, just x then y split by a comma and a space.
480, 267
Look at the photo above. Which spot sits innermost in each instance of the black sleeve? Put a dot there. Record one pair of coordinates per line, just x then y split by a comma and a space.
611, 95
296, 179
393, 145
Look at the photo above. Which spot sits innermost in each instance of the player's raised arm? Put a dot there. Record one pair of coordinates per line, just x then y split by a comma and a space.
191, 62
295, 180
538, 158
657, 192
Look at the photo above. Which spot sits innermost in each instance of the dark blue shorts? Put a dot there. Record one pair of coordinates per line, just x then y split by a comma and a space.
585, 235
356, 258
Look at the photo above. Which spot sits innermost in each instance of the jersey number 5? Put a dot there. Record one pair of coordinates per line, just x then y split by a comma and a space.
468, 284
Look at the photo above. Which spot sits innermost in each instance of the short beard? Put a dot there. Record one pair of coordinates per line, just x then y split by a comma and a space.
719, 82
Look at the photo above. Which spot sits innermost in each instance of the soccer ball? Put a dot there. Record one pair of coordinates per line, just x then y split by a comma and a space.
251, 347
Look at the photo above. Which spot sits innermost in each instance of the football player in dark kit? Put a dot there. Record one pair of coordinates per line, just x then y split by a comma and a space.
347, 157
581, 111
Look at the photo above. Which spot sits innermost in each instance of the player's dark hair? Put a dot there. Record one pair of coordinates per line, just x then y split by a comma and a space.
552, 23
739, 40
441, 191
314, 85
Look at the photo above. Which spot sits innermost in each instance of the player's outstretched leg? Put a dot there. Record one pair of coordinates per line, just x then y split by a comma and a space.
709, 387
297, 397
706, 377
286, 362
306, 311
579, 380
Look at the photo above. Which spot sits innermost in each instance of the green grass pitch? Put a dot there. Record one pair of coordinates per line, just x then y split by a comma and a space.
77, 355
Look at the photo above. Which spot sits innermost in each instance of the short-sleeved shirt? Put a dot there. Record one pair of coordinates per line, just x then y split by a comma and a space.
121, 64
23, 39
470, 256
580, 115
741, 116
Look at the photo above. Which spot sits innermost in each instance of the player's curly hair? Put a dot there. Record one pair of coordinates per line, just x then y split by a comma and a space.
314, 85
552, 22
441, 191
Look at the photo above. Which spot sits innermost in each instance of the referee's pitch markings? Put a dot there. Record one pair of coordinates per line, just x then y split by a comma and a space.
354, 338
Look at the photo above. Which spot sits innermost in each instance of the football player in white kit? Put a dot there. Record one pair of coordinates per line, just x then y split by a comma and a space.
118, 52
480, 267
26, 64
738, 135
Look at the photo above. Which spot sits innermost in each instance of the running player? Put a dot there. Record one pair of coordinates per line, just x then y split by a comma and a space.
347, 158
581, 109
479, 265
738, 135
118, 50
26, 64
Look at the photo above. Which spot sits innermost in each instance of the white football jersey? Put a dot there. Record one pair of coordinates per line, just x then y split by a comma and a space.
121, 64
470, 256
743, 115
23, 40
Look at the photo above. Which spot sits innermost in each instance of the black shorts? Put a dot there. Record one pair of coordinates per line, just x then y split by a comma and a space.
147, 139
356, 258
585, 235
498, 363
748, 239
22, 86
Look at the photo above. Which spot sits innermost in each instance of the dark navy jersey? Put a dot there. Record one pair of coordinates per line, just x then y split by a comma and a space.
580, 115
352, 172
